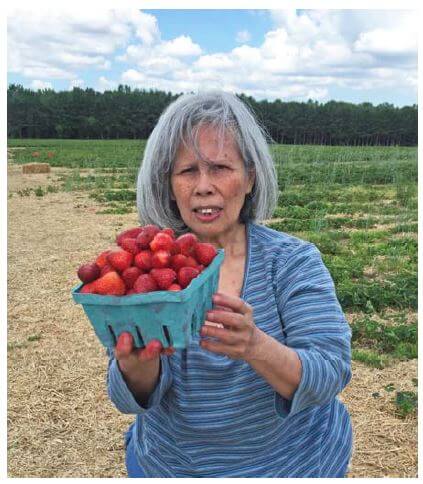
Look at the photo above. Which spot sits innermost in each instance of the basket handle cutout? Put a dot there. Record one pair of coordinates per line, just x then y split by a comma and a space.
139, 336
113, 334
167, 335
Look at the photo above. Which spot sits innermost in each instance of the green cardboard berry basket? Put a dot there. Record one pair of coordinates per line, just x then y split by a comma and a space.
172, 317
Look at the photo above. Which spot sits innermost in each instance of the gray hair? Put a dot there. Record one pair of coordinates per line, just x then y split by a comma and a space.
180, 123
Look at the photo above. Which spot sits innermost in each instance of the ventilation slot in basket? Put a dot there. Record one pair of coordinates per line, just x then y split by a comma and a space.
140, 337
113, 334
167, 335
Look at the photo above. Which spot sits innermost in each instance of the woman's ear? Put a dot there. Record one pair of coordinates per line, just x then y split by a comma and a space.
251, 180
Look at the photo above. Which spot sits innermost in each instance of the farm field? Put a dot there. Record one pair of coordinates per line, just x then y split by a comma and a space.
357, 204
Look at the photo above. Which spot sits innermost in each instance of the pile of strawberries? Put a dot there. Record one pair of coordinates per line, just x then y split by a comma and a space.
147, 259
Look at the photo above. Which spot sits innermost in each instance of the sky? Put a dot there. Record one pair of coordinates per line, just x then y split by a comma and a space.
291, 55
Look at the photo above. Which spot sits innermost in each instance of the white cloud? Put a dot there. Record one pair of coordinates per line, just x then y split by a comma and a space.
163, 58
37, 84
76, 83
386, 42
243, 36
302, 56
59, 43
104, 84
182, 46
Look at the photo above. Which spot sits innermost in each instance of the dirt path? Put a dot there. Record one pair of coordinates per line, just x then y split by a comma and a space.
60, 421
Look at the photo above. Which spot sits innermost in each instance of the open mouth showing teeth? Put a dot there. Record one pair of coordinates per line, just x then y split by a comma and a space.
207, 211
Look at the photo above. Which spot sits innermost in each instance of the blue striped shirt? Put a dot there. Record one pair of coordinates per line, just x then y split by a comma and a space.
211, 416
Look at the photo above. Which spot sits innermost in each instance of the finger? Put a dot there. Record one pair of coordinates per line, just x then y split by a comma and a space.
124, 345
233, 302
152, 350
216, 347
222, 308
232, 320
223, 335
168, 351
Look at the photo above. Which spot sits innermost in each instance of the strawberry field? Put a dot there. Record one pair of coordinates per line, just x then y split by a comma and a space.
357, 204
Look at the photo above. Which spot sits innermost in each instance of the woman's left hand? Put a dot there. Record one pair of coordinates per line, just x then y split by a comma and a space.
239, 334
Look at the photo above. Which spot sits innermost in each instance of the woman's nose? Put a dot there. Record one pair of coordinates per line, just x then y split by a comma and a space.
204, 183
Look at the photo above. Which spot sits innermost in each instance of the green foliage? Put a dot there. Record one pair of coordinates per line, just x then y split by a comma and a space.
133, 113
411, 227
114, 195
399, 340
406, 403
34, 337
39, 192
370, 358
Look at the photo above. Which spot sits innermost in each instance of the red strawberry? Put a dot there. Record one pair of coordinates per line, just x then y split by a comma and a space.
145, 283
160, 259
164, 277
204, 253
175, 249
130, 233
87, 288
101, 260
130, 275
89, 272
170, 232
143, 241
129, 292
191, 262
110, 284
107, 268
174, 287
151, 230
186, 275
130, 245
177, 261
161, 241
120, 259
201, 268
147, 235
186, 243
143, 260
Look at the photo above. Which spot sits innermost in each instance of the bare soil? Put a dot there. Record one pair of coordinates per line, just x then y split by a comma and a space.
60, 420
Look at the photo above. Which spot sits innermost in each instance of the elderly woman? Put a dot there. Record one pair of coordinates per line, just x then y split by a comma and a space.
255, 393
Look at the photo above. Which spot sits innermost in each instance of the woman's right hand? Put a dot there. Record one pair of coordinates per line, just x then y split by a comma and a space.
133, 359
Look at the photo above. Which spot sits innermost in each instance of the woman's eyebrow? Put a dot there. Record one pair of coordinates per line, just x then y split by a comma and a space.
185, 164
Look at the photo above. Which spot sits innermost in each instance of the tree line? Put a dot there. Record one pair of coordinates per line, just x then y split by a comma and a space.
132, 113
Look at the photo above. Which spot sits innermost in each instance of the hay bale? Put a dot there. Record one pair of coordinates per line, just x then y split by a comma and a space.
36, 168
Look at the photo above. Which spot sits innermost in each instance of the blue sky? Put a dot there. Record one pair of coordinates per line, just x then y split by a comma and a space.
355, 56
215, 30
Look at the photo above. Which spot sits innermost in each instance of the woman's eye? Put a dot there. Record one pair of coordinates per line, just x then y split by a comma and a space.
187, 170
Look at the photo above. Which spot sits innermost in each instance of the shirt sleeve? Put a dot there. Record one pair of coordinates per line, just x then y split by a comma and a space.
122, 397
315, 327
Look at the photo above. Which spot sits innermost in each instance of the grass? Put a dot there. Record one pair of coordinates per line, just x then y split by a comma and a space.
357, 204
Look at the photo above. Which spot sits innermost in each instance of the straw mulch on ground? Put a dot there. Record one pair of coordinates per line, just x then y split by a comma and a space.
60, 421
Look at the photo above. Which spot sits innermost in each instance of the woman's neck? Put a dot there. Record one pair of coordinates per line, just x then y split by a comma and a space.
233, 242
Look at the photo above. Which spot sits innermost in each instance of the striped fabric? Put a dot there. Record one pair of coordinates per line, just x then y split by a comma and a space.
211, 416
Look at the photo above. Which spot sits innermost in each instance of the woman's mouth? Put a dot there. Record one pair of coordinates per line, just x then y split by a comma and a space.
207, 214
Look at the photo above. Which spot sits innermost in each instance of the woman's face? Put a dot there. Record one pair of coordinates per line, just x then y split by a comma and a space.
218, 182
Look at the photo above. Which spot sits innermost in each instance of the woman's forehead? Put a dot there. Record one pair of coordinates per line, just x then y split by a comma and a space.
209, 145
